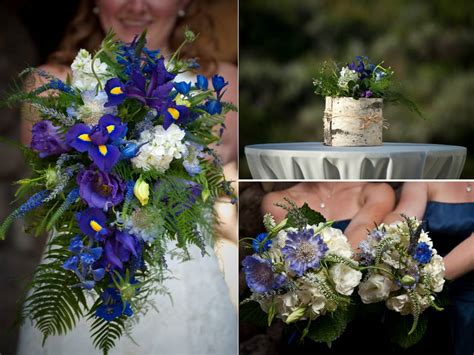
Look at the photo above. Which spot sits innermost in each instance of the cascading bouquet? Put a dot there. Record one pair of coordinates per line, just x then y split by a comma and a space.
302, 272
123, 176
403, 270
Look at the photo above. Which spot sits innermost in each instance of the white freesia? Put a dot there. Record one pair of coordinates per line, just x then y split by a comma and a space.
83, 77
345, 278
375, 289
345, 76
161, 147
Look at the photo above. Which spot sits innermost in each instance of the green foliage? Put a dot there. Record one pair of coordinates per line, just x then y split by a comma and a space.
300, 217
399, 330
105, 334
250, 311
327, 328
55, 306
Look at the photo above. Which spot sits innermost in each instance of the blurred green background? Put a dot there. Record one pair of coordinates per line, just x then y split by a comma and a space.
429, 45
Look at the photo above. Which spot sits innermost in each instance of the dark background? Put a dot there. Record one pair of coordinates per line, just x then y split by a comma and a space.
429, 45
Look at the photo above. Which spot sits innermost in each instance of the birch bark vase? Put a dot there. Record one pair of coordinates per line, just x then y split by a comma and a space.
351, 123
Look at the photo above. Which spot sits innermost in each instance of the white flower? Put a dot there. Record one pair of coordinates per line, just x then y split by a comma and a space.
435, 268
345, 278
82, 76
93, 108
376, 288
399, 304
336, 242
345, 76
161, 148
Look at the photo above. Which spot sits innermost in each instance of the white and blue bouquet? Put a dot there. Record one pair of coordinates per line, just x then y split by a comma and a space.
303, 272
123, 172
403, 270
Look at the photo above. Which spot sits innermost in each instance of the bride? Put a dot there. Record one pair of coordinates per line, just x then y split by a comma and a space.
200, 318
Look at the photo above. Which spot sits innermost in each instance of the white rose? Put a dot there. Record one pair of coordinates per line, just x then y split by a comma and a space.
435, 268
336, 242
376, 288
399, 304
345, 278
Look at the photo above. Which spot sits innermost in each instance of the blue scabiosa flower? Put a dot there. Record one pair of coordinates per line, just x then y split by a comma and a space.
303, 250
260, 276
257, 243
422, 253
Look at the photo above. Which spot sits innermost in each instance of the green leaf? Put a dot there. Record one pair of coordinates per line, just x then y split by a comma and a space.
252, 312
272, 312
311, 215
328, 328
400, 327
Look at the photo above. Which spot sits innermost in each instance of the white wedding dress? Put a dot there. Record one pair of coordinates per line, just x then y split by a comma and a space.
200, 319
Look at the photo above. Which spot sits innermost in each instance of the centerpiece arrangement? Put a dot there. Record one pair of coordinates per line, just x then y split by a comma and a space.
305, 273
354, 94
123, 176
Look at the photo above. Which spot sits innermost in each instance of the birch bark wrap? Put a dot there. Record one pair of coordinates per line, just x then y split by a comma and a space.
350, 123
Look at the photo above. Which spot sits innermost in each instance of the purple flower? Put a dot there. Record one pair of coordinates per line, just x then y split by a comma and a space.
115, 92
367, 93
304, 250
173, 113
93, 223
422, 253
112, 306
99, 141
100, 189
260, 276
46, 139
118, 250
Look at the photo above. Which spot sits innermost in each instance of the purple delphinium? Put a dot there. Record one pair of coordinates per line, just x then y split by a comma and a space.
260, 276
422, 253
100, 189
304, 250
257, 245
46, 139
112, 306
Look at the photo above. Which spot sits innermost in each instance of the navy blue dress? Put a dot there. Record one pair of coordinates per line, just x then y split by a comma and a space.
448, 225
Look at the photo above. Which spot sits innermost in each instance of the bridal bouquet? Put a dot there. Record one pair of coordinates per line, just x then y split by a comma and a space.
302, 272
404, 270
123, 177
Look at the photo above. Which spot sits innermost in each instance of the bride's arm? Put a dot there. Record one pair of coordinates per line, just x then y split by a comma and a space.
460, 260
227, 149
28, 114
413, 200
379, 199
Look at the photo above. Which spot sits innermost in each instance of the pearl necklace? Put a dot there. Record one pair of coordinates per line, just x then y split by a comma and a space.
469, 187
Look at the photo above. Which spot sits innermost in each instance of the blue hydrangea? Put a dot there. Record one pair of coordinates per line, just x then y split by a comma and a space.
304, 250
257, 243
260, 276
422, 253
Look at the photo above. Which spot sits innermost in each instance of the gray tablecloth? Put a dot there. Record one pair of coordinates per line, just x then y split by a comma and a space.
313, 160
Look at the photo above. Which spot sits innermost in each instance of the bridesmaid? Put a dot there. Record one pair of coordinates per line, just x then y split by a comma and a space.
354, 206
448, 211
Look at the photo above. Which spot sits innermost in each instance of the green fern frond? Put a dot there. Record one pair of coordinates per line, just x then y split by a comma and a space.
105, 334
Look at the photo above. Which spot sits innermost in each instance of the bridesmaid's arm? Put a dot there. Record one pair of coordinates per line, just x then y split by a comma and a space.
460, 260
379, 199
413, 200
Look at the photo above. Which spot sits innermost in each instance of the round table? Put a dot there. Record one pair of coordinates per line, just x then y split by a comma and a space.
314, 160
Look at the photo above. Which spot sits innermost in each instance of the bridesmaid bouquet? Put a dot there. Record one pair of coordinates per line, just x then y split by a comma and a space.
302, 272
404, 270
122, 166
